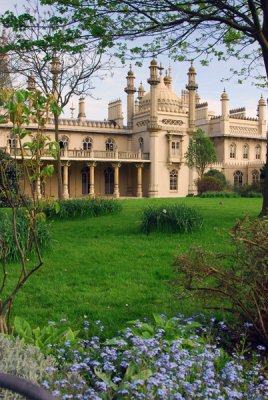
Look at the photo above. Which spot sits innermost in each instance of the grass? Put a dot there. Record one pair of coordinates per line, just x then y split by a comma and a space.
107, 269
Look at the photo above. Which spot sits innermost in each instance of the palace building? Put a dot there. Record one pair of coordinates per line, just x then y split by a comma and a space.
145, 157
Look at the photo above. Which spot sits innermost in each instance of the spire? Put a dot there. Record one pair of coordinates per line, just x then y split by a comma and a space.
140, 92
5, 80
168, 78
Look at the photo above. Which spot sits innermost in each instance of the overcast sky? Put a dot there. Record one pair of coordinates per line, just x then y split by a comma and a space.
208, 79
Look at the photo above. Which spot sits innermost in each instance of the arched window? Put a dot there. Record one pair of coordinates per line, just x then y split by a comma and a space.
87, 143
64, 142
141, 144
258, 152
245, 151
232, 150
109, 144
173, 180
12, 141
255, 176
238, 178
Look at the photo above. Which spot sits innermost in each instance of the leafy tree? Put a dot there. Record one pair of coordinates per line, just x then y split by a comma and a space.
200, 153
42, 37
21, 107
185, 29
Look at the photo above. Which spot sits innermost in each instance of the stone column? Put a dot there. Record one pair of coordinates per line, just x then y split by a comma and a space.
92, 166
65, 180
116, 167
139, 179
192, 86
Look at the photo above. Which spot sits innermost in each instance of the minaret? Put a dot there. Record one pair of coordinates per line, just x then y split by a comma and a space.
224, 105
192, 86
82, 113
31, 83
130, 90
5, 80
168, 78
140, 92
261, 117
153, 129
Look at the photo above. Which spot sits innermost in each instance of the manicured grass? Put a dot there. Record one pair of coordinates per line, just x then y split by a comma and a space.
107, 269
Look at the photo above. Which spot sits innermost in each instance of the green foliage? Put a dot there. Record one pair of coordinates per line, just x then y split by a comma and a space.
253, 190
45, 337
240, 278
223, 194
201, 152
217, 175
43, 234
83, 207
22, 360
177, 218
209, 184
9, 175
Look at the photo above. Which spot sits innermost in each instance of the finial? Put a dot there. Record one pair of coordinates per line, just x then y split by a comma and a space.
72, 110
160, 69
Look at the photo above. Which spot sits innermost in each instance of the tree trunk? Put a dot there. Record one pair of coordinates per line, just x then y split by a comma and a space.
58, 169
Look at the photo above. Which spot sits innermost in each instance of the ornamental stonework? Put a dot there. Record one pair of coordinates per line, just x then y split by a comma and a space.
241, 130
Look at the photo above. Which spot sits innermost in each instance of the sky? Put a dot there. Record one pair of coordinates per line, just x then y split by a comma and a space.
209, 79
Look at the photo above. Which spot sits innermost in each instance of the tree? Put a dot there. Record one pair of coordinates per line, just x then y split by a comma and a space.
186, 29
34, 55
21, 107
200, 153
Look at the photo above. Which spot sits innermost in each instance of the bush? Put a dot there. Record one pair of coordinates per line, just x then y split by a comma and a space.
220, 194
171, 218
83, 207
240, 278
209, 184
9, 175
24, 361
247, 190
214, 173
23, 231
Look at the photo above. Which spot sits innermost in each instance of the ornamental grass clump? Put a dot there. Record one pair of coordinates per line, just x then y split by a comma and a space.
43, 234
177, 218
168, 359
83, 207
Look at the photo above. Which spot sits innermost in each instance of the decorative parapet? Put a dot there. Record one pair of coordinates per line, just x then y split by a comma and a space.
243, 130
89, 124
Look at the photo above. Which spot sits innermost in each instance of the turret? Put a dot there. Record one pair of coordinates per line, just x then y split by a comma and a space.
140, 92
130, 90
168, 78
153, 82
31, 83
82, 114
192, 86
224, 104
261, 109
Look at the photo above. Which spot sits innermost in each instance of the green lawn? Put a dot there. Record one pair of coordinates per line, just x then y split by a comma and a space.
106, 269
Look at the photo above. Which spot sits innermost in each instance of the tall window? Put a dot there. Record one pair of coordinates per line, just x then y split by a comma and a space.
245, 151
238, 178
85, 181
87, 143
109, 145
232, 150
255, 176
173, 180
175, 148
12, 141
64, 142
258, 152
141, 144
109, 180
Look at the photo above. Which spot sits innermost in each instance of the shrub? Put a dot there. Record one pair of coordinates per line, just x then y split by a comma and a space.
209, 184
247, 190
214, 173
220, 194
24, 361
23, 231
240, 278
83, 207
9, 175
171, 218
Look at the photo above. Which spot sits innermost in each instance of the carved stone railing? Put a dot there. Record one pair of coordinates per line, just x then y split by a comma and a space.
89, 154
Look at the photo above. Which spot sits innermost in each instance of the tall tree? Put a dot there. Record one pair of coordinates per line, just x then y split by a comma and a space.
201, 152
54, 59
185, 29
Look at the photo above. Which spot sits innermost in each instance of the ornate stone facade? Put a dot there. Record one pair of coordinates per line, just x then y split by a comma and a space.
146, 157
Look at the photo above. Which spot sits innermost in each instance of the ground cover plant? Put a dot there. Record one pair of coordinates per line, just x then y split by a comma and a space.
82, 207
107, 269
177, 358
178, 218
